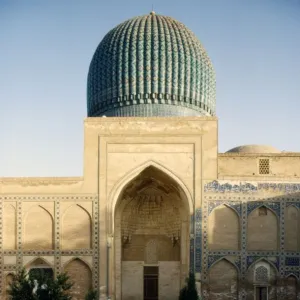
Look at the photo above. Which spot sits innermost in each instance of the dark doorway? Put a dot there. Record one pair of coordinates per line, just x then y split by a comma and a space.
261, 293
150, 283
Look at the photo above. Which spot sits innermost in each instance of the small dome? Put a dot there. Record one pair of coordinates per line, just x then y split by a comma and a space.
254, 149
150, 65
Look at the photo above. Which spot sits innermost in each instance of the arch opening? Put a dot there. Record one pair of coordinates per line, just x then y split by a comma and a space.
262, 278
151, 229
223, 280
40, 269
81, 276
291, 287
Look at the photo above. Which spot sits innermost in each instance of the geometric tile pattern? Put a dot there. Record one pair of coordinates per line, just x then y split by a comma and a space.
57, 252
274, 206
244, 202
150, 60
216, 186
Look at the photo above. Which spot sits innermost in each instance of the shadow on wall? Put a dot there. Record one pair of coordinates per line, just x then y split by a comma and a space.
38, 232
262, 231
38, 228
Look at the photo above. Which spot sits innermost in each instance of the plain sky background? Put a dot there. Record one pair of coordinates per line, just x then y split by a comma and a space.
46, 48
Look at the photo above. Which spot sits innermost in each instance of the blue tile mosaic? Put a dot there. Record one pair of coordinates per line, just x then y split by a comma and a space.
252, 259
247, 187
212, 259
234, 205
215, 186
292, 261
275, 206
198, 240
284, 187
289, 273
192, 260
296, 204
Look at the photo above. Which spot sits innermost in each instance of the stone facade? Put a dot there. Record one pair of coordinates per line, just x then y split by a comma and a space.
157, 197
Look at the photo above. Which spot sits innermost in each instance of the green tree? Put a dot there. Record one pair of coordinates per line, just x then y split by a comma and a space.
34, 286
21, 287
91, 295
59, 288
189, 292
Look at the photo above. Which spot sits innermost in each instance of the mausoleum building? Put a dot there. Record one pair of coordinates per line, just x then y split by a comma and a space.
156, 199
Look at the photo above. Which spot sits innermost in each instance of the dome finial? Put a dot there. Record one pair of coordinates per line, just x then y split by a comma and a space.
152, 11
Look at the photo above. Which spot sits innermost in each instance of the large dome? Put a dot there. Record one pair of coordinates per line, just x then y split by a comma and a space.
150, 65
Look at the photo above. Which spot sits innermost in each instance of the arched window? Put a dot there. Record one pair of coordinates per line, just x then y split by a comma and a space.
261, 280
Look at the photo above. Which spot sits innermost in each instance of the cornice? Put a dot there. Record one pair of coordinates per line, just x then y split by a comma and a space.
147, 119
40, 181
283, 154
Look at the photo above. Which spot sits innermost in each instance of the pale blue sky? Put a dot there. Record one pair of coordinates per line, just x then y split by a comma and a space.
46, 48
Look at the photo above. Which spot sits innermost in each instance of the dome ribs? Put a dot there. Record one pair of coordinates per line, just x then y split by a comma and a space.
132, 59
140, 59
150, 65
125, 61
154, 56
169, 64
174, 60
110, 64
180, 62
147, 59
162, 58
186, 62
114, 62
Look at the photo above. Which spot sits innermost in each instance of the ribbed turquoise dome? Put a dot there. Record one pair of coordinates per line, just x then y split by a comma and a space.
150, 65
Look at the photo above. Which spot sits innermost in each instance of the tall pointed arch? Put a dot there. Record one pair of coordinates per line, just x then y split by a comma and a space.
9, 227
120, 185
38, 229
76, 228
223, 280
150, 203
291, 283
223, 229
81, 275
262, 229
291, 228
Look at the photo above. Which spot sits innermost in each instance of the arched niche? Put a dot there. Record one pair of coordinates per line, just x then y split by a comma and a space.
9, 227
119, 187
291, 228
261, 278
152, 214
223, 280
291, 283
76, 228
262, 229
81, 275
38, 229
223, 229
40, 269
9, 278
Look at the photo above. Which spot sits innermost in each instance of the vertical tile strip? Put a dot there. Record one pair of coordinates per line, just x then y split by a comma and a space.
95, 243
198, 237
19, 235
244, 248
281, 232
57, 260
192, 258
